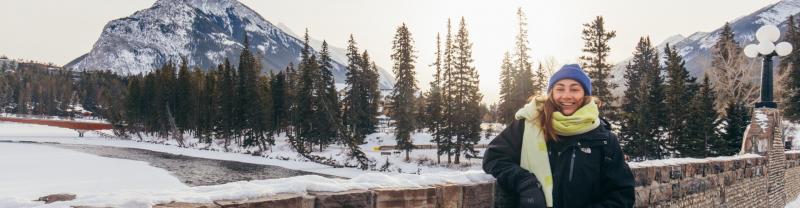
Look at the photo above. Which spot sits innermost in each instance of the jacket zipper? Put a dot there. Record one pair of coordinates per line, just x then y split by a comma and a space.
571, 164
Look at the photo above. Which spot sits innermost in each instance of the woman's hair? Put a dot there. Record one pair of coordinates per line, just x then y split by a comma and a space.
545, 114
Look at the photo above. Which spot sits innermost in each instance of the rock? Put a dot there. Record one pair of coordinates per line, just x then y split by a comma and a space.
56, 197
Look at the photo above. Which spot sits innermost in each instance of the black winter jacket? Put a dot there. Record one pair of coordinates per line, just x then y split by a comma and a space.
588, 170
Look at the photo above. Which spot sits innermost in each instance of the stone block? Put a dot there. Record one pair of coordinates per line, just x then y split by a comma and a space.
449, 196
478, 195
404, 198
352, 198
275, 201
186, 205
676, 172
640, 177
642, 197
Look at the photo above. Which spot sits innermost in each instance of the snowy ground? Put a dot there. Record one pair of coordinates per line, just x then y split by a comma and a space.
794, 203
36, 170
31, 171
422, 160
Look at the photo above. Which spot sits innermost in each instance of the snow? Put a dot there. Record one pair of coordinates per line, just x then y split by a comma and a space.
761, 119
794, 203
681, 161
779, 12
31, 171
422, 160
96, 184
708, 41
243, 190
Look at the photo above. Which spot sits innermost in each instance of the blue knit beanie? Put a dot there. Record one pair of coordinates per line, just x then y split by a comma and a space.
572, 71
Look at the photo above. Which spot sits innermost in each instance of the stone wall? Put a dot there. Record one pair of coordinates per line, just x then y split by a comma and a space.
731, 182
445, 196
792, 177
742, 182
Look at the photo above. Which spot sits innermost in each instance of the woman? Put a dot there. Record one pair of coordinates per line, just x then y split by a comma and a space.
559, 152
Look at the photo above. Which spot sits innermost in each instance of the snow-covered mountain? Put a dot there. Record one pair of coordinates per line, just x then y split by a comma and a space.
204, 31
339, 54
696, 49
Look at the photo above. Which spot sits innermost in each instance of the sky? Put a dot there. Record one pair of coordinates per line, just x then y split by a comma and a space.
59, 31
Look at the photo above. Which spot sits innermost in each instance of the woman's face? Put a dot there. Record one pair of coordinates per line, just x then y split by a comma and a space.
568, 95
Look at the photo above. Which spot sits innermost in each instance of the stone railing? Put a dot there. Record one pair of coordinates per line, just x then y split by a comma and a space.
711, 182
455, 196
740, 182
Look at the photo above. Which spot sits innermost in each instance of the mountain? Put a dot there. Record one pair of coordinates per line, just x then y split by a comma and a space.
203, 31
696, 49
339, 54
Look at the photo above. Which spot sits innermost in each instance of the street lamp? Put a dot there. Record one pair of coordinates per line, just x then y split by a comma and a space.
766, 48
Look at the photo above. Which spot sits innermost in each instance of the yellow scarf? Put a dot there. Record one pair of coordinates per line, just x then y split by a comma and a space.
583, 120
534, 147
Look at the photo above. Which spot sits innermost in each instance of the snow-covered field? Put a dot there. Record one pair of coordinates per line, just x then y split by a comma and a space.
422, 160
34, 170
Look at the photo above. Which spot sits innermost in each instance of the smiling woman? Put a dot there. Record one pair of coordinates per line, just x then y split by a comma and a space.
557, 148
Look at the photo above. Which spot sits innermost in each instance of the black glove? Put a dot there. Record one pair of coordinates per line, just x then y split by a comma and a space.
531, 194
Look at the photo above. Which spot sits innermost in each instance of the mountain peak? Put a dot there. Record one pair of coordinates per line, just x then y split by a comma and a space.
205, 32
778, 12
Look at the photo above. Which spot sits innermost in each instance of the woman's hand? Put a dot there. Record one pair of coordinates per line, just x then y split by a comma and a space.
531, 196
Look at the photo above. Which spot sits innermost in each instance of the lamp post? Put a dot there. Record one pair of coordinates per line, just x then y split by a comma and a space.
766, 36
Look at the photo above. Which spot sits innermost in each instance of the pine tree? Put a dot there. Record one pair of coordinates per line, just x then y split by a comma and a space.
596, 46
678, 91
737, 118
372, 94
184, 97
522, 85
249, 100
540, 80
641, 113
702, 127
280, 105
208, 106
308, 98
353, 107
249, 107
463, 112
402, 98
227, 99
263, 126
448, 107
292, 85
654, 110
133, 103
791, 86
433, 109
329, 99
507, 106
